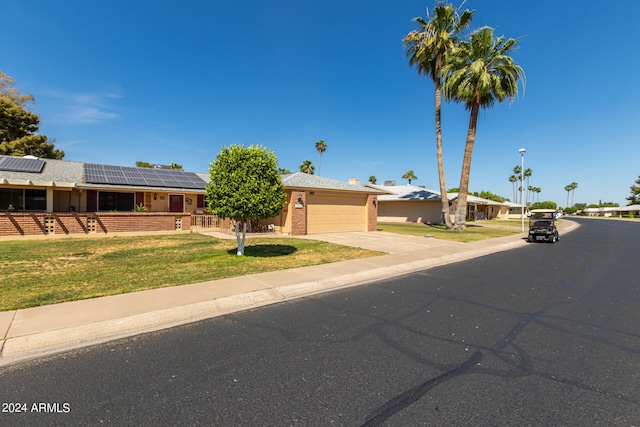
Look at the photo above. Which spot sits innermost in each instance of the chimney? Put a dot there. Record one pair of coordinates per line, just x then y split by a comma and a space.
354, 181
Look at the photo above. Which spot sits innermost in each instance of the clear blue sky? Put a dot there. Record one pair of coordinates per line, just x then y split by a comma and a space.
163, 81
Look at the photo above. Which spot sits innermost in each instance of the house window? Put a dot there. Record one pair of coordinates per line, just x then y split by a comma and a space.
23, 199
111, 201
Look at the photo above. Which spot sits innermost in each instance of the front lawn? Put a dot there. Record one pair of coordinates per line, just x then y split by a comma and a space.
37, 272
471, 234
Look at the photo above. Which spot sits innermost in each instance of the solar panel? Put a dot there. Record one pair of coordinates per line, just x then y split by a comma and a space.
21, 164
126, 175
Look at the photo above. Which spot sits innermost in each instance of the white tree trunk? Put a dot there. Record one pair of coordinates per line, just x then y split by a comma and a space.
240, 241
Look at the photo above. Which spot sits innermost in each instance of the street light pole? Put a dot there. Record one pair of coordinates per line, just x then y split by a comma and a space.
522, 151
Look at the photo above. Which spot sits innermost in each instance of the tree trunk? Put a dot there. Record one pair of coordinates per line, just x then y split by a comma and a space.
446, 217
461, 205
240, 241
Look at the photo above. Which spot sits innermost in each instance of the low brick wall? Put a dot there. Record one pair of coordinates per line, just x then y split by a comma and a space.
41, 223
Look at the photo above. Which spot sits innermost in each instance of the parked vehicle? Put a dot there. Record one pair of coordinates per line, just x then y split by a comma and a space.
542, 226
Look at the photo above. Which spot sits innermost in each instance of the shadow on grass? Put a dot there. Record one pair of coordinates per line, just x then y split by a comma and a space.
265, 251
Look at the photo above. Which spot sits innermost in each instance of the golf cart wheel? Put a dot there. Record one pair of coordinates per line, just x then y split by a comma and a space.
530, 239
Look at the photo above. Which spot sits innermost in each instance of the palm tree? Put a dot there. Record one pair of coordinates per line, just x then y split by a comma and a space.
478, 73
427, 48
517, 171
307, 167
176, 167
321, 146
527, 174
373, 179
409, 175
574, 185
512, 180
568, 189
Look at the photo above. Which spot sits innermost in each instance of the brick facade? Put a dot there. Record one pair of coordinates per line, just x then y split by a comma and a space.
41, 223
372, 212
298, 213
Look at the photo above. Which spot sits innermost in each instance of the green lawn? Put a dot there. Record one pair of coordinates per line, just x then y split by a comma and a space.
37, 272
471, 234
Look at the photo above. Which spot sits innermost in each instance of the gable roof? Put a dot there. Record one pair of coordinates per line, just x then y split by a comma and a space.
305, 180
405, 193
71, 174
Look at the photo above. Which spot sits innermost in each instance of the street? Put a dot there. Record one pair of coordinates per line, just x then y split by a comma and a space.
544, 335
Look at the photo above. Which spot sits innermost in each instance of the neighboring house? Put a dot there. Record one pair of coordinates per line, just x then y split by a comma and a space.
479, 208
45, 196
410, 203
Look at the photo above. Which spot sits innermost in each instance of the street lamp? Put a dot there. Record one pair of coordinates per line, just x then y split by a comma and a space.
522, 151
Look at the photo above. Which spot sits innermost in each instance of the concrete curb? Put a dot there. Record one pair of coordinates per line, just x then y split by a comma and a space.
23, 345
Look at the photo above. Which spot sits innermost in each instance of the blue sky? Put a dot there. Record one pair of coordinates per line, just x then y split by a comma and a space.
121, 81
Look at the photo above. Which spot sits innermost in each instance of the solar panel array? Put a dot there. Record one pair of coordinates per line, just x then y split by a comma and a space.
126, 175
21, 164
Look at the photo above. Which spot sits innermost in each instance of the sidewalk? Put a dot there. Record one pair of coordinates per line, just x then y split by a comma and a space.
39, 331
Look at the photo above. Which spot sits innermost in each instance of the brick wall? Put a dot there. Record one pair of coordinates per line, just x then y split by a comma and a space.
372, 213
298, 214
40, 223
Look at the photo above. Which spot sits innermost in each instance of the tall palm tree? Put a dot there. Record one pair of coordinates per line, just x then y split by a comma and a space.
512, 180
321, 146
517, 171
574, 185
427, 47
307, 167
478, 73
409, 176
568, 189
527, 174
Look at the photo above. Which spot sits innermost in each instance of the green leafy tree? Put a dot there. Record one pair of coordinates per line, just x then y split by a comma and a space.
477, 74
490, 196
547, 204
321, 146
245, 185
634, 198
427, 47
145, 165
409, 176
373, 179
18, 125
307, 167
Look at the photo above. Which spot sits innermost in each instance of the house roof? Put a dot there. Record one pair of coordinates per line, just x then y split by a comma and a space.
72, 174
304, 180
396, 193
405, 193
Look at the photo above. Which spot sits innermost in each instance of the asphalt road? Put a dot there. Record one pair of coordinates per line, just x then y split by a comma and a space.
544, 335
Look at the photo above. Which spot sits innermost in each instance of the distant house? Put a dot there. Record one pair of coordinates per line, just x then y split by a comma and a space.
45, 196
613, 211
410, 203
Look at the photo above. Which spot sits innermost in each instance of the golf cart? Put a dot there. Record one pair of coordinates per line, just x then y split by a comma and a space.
542, 226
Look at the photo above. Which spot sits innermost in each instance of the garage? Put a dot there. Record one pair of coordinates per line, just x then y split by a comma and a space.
329, 213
